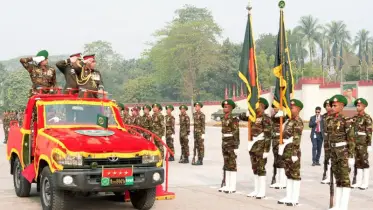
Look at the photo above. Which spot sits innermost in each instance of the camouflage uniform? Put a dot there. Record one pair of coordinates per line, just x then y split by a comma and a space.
6, 126
170, 131
146, 122
278, 160
363, 129
158, 128
199, 130
326, 118
41, 76
126, 119
184, 134
231, 141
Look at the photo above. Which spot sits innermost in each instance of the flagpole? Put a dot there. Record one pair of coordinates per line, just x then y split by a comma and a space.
282, 62
249, 7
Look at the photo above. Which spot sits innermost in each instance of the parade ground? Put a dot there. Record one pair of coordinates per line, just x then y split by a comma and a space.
196, 186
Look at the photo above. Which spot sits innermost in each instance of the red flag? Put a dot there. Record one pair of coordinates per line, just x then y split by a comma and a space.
29, 173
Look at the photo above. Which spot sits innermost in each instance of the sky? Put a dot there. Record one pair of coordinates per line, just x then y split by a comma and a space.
63, 27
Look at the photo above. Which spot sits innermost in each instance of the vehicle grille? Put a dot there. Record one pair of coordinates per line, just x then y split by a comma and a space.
107, 162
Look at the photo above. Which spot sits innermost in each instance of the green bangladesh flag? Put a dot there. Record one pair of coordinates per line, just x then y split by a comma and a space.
248, 71
284, 88
102, 121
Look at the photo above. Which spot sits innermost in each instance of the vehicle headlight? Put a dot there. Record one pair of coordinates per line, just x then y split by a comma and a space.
70, 160
150, 158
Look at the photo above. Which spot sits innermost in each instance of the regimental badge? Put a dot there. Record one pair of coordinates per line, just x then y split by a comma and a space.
359, 101
292, 103
335, 99
226, 102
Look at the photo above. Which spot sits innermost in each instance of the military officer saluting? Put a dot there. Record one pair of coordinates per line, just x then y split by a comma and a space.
66, 68
184, 134
199, 133
363, 126
158, 126
259, 147
291, 153
230, 145
170, 130
146, 120
342, 150
327, 165
42, 75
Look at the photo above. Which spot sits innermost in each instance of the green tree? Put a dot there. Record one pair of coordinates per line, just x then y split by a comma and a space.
267, 44
16, 89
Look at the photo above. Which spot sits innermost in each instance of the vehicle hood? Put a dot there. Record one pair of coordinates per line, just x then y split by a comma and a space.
120, 141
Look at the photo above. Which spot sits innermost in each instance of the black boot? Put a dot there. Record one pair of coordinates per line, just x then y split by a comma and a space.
199, 162
171, 158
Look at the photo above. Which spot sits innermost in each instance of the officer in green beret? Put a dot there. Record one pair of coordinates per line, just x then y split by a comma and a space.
230, 145
259, 146
158, 126
66, 68
291, 153
170, 130
199, 133
326, 116
184, 134
363, 131
341, 136
146, 120
42, 75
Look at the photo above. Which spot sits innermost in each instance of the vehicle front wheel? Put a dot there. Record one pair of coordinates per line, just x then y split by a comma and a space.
21, 185
50, 197
143, 199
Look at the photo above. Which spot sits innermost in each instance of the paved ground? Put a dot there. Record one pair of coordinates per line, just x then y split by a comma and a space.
196, 187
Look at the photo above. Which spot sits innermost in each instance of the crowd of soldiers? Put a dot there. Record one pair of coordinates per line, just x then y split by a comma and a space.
347, 144
164, 127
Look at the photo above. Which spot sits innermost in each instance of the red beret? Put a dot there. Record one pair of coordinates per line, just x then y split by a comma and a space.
76, 55
86, 57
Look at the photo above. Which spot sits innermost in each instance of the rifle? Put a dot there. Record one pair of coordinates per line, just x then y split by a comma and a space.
325, 169
355, 173
194, 153
274, 174
331, 188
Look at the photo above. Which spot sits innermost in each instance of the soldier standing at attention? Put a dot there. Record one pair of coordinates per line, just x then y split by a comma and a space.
126, 116
136, 118
199, 133
66, 68
259, 147
342, 150
146, 120
327, 165
230, 145
291, 153
158, 127
184, 134
278, 161
363, 126
170, 130
42, 75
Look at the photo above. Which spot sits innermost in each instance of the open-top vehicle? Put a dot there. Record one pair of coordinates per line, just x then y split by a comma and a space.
70, 145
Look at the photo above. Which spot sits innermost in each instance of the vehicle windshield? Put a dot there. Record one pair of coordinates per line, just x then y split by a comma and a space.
77, 114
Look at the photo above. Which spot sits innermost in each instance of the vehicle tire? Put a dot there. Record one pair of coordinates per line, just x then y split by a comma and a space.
143, 199
21, 185
50, 197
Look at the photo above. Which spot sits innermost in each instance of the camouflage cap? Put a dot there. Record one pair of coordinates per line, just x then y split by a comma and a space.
146, 107
327, 101
43, 53
338, 98
361, 101
170, 107
296, 102
229, 102
198, 103
157, 105
183, 107
264, 102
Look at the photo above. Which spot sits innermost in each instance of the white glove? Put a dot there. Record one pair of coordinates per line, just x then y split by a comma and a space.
351, 162
294, 158
163, 138
203, 136
369, 148
54, 119
280, 113
236, 151
38, 59
265, 155
172, 136
248, 114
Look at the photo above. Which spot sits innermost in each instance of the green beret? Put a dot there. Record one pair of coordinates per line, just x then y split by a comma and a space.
157, 105
121, 106
146, 107
171, 107
43, 53
297, 103
327, 101
198, 103
265, 102
183, 107
362, 101
229, 102
338, 98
